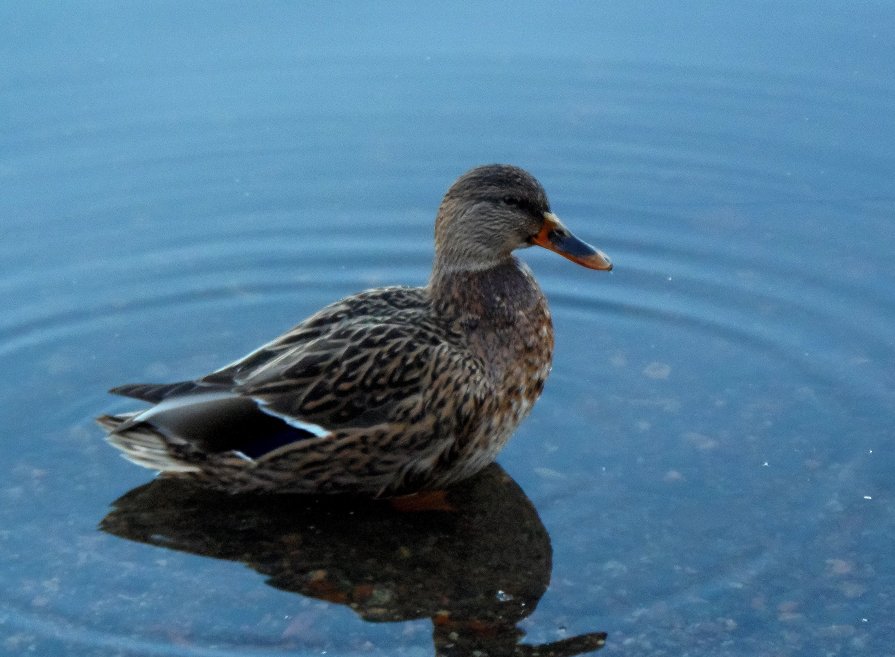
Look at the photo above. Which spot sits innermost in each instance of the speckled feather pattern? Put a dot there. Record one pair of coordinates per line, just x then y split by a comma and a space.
392, 390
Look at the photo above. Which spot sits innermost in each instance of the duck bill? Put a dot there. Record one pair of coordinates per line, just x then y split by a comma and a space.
559, 239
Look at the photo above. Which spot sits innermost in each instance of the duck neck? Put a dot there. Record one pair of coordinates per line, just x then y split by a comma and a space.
497, 293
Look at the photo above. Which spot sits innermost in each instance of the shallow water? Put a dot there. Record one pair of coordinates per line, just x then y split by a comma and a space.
711, 462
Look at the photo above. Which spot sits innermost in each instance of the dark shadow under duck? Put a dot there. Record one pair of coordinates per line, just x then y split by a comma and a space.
387, 392
475, 571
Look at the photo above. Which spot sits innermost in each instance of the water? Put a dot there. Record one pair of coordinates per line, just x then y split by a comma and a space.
709, 470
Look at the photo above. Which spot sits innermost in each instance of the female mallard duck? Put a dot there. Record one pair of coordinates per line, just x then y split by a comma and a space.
387, 392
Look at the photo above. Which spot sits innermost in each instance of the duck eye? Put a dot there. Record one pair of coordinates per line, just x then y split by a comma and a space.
515, 202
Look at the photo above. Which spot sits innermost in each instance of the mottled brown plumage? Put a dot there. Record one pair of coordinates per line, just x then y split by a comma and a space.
390, 391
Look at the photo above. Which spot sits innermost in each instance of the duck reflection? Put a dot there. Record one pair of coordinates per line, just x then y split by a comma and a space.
476, 566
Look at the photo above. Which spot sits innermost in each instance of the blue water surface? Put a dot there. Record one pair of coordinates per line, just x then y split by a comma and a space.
710, 469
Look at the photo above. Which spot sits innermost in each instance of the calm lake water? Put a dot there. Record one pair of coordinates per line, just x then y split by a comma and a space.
710, 469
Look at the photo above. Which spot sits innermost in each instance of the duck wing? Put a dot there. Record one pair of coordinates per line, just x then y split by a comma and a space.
308, 330
361, 374
340, 371
390, 304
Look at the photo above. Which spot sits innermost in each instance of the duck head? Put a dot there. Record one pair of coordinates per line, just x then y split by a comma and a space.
492, 210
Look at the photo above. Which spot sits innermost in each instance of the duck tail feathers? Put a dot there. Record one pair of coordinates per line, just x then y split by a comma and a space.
143, 445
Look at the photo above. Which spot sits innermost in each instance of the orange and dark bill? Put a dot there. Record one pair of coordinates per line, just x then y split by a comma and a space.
559, 239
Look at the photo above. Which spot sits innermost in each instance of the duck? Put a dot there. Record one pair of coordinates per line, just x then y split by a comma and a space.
389, 392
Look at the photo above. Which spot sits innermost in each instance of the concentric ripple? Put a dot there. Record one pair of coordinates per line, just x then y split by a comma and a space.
709, 455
